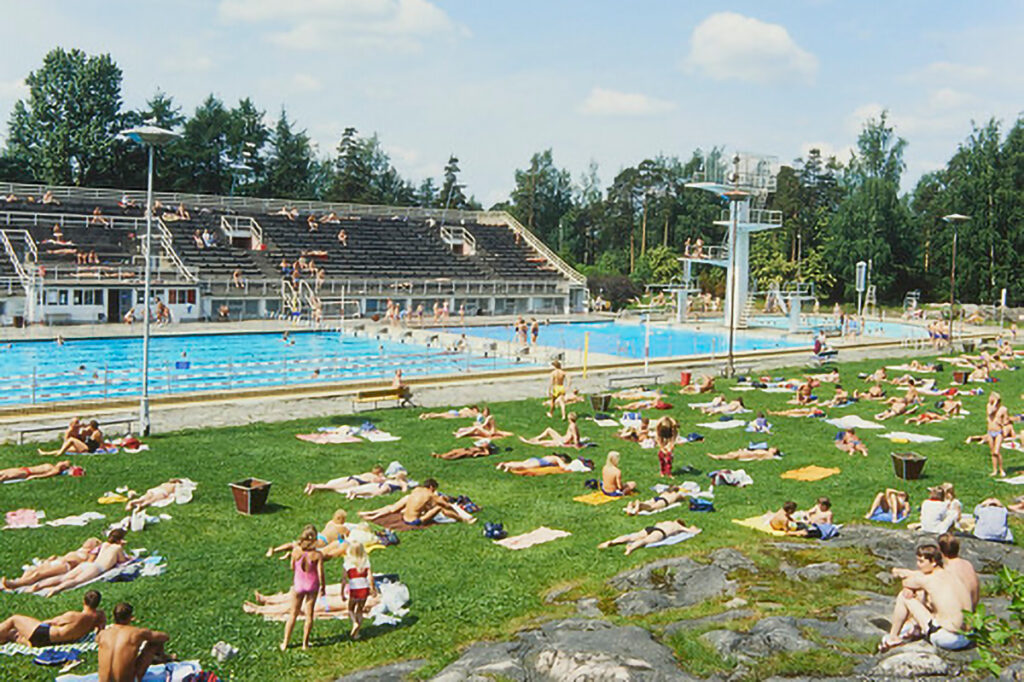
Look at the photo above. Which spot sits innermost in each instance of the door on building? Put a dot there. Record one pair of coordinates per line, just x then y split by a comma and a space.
118, 303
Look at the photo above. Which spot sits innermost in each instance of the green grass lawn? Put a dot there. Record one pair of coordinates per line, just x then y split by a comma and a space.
464, 588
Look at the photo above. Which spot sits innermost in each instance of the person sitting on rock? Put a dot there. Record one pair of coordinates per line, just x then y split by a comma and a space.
949, 545
932, 603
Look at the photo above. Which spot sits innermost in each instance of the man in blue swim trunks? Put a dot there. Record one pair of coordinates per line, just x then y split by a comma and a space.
419, 507
932, 603
65, 628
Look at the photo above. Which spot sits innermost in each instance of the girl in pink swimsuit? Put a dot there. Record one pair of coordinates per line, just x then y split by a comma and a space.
307, 584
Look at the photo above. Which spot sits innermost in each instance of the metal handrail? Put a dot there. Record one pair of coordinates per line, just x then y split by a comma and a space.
503, 217
19, 269
458, 234
757, 216
712, 252
167, 242
232, 223
68, 219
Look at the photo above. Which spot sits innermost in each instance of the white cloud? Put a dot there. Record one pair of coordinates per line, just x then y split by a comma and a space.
948, 98
728, 45
603, 102
306, 83
324, 24
859, 116
15, 89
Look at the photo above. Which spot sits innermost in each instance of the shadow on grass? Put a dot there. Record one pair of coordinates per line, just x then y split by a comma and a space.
272, 508
369, 632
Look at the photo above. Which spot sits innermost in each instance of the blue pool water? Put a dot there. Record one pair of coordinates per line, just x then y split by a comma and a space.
43, 371
893, 330
627, 340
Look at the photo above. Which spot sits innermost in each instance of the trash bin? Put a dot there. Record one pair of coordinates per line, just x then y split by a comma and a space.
684, 379
959, 377
908, 465
600, 402
250, 495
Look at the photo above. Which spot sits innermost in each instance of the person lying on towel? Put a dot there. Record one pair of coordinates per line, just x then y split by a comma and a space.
63, 629
53, 566
672, 495
420, 506
651, 534
328, 605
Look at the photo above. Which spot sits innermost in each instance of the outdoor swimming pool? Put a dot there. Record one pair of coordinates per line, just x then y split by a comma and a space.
892, 330
89, 369
627, 340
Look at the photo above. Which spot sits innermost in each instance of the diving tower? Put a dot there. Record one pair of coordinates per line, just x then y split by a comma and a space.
747, 183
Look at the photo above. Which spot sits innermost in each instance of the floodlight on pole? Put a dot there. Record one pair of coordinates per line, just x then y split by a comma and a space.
734, 196
953, 219
151, 137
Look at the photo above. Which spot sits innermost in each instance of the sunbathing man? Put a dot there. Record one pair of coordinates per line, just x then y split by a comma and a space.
53, 566
330, 541
484, 449
552, 439
35, 472
878, 376
672, 495
68, 627
461, 413
705, 384
87, 439
949, 546
803, 394
655, 403
555, 460
340, 485
828, 377
933, 599
783, 520
110, 554
895, 503
611, 478
850, 443
799, 412
125, 651
392, 484
840, 398
876, 392
488, 428
897, 407
328, 605
649, 535
749, 454
420, 507
559, 381
164, 491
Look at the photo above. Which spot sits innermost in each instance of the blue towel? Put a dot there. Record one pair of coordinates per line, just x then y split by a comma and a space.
882, 515
763, 445
826, 530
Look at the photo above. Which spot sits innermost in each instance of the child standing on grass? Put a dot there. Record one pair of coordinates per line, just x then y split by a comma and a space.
307, 584
360, 583
665, 433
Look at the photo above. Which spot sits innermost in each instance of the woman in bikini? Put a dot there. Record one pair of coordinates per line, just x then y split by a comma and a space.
672, 495
53, 566
164, 491
636, 434
666, 431
461, 413
851, 444
561, 461
345, 483
88, 439
705, 384
393, 484
552, 439
330, 540
650, 535
34, 472
876, 392
307, 584
108, 555
997, 419
483, 450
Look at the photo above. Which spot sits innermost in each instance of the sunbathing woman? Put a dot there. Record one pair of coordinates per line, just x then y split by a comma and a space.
53, 566
878, 376
461, 413
89, 439
331, 604
552, 439
648, 404
345, 483
555, 460
706, 384
897, 407
719, 405
636, 434
486, 429
110, 554
876, 392
828, 377
749, 454
34, 472
950, 408
393, 484
160, 493
803, 395
799, 412
330, 541
673, 495
650, 535
850, 443
467, 453
895, 503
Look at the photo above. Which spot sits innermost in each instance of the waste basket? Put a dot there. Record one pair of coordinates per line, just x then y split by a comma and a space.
600, 402
908, 465
250, 495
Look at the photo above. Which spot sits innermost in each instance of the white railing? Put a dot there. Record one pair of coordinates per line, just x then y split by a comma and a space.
112, 222
167, 242
505, 218
757, 216
237, 223
19, 269
457, 234
714, 252
290, 301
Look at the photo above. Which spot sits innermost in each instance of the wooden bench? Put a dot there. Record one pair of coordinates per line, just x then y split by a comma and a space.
631, 380
401, 396
114, 421
824, 358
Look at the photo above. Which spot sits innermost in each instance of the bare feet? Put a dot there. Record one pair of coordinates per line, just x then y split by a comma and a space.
604, 545
283, 646
270, 553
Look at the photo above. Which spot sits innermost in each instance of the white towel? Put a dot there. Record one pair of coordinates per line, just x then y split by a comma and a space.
658, 511
673, 539
1016, 480
852, 421
719, 426
606, 422
910, 437
379, 436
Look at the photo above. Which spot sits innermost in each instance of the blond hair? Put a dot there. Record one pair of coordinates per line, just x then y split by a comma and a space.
355, 555
339, 516
613, 458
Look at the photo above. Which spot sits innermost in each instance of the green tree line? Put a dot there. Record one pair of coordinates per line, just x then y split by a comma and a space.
836, 211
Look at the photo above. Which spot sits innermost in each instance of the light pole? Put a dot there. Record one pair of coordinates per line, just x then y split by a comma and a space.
734, 196
150, 136
953, 219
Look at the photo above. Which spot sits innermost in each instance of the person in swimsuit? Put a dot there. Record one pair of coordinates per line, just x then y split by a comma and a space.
660, 501
559, 381
560, 461
330, 541
933, 600
997, 418
63, 629
307, 584
394, 484
420, 506
850, 443
483, 450
896, 503
34, 472
345, 483
666, 431
650, 535
53, 566
88, 439
277, 606
461, 413
110, 554
749, 454
782, 520
359, 579
126, 651
164, 491
876, 392
611, 478
636, 434
488, 428
552, 439
705, 384
821, 512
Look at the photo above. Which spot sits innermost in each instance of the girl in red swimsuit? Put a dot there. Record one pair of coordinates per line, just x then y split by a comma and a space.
359, 577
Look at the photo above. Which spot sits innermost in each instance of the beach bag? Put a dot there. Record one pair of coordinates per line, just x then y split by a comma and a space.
701, 504
387, 537
590, 483
495, 531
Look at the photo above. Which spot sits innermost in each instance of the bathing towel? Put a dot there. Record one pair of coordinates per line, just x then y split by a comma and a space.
328, 438
718, 426
379, 436
597, 497
394, 521
606, 422
745, 457
674, 539
23, 518
882, 515
743, 388
810, 473
907, 437
534, 537
87, 643
1016, 480
77, 519
908, 368
852, 421
164, 672
759, 523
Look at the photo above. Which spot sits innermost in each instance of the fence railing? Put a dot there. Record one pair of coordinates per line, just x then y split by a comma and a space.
12, 255
167, 242
502, 217
110, 222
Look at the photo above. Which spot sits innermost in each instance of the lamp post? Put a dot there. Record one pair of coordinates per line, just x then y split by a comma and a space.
150, 136
953, 219
734, 196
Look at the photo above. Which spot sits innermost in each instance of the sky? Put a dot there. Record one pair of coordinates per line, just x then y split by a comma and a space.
494, 81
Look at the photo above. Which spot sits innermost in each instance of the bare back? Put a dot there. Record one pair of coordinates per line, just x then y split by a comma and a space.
118, 649
109, 556
418, 502
73, 625
963, 570
949, 598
